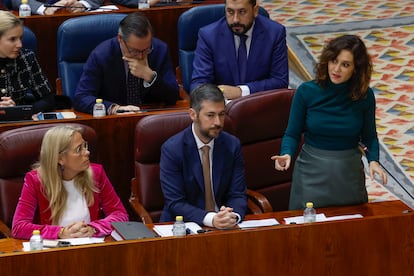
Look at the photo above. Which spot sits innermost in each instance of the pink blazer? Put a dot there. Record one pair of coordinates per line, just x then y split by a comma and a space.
33, 207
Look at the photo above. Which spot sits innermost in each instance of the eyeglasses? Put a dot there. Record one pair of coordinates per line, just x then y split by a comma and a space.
135, 52
82, 148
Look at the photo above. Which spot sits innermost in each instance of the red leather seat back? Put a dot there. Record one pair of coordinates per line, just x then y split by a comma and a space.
19, 150
259, 121
150, 133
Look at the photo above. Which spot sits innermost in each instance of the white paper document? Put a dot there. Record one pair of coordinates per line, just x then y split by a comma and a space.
105, 8
76, 241
166, 230
258, 223
344, 217
320, 218
299, 219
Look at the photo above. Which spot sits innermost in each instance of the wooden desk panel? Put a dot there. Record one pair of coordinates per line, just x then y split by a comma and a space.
380, 244
115, 149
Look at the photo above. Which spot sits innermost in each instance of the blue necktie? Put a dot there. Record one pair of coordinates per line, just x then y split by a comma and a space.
133, 90
242, 58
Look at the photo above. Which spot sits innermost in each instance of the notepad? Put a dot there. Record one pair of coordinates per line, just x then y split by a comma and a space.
132, 230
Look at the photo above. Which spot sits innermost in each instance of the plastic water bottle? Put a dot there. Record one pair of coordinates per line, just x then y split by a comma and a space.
179, 227
143, 4
309, 215
36, 241
24, 9
99, 109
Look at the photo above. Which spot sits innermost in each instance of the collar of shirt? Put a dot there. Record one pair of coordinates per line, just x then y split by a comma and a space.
248, 40
200, 144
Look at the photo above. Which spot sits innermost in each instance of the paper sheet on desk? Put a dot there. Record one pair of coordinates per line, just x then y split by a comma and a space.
258, 223
320, 218
106, 8
166, 230
77, 241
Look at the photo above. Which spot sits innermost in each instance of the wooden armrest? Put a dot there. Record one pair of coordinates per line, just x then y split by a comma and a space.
137, 206
59, 90
253, 207
4, 230
259, 200
183, 95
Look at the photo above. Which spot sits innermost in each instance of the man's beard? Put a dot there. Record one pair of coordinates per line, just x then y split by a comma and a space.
238, 25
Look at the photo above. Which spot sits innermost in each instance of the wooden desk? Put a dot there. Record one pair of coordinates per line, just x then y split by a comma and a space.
115, 143
381, 243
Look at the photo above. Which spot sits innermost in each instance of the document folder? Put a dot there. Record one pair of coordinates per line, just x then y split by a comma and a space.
132, 230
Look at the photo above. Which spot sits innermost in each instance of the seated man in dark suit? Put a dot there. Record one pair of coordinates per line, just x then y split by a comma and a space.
263, 63
129, 70
49, 7
209, 191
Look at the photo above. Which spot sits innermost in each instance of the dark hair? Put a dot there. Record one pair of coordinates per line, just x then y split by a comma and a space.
205, 92
359, 81
253, 2
135, 23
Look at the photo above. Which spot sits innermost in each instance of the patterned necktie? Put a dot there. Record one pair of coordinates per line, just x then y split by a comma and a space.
242, 58
133, 90
207, 180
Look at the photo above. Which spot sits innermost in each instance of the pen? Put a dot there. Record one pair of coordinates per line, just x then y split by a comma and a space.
201, 231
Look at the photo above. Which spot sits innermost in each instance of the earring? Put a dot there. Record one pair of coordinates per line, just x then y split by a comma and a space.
61, 167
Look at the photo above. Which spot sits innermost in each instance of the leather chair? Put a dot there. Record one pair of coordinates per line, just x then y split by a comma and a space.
189, 23
259, 121
19, 150
76, 38
29, 39
147, 199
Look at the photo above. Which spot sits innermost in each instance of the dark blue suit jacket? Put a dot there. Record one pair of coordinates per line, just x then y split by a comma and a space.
104, 77
182, 181
215, 58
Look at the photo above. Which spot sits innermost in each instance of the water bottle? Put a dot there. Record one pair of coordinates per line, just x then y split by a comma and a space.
24, 9
309, 215
143, 4
36, 241
99, 109
179, 227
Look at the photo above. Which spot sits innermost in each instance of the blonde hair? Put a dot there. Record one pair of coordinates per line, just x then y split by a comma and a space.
56, 142
8, 21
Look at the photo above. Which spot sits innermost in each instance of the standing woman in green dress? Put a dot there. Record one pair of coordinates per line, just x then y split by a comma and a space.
335, 112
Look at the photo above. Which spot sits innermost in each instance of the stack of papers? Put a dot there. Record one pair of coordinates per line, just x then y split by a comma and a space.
166, 230
74, 241
258, 223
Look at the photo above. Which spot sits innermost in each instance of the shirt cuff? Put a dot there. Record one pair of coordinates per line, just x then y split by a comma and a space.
148, 84
238, 217
245, 90
86, 4
41, 10
208, 219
